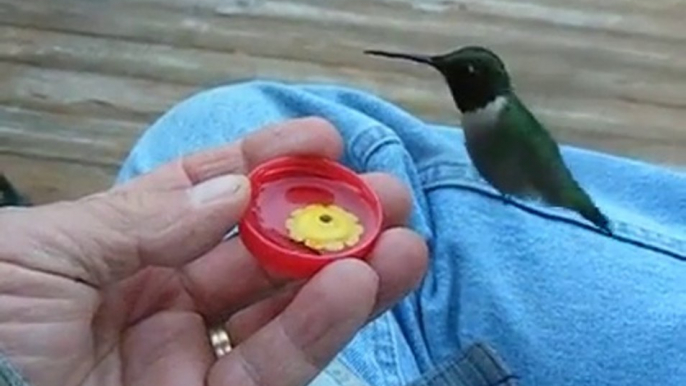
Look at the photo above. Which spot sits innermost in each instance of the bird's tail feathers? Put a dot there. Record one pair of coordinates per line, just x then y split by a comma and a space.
594, 215
575, 198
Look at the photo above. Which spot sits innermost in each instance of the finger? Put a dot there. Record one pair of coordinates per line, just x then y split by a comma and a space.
169, 348
110, 236
229, 277
399, 259
294, 347
244, 323
394, 196
225, 280
305, 136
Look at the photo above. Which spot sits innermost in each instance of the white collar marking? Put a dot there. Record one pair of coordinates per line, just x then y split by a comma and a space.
486, 116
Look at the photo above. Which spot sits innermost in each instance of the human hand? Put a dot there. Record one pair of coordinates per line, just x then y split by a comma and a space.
118, 288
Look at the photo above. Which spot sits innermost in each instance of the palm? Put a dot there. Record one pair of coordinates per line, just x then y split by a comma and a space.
101, 337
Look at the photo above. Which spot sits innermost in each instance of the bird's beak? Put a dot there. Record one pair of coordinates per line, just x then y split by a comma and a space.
424, 59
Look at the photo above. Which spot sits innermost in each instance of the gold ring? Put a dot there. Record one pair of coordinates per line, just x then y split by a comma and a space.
220, 340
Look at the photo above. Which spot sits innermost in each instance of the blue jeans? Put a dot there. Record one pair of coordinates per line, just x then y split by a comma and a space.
560, 302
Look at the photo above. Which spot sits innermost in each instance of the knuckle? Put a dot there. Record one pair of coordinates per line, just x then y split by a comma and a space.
115, 245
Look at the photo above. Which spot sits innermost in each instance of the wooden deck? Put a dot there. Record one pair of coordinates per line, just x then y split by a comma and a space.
79, 81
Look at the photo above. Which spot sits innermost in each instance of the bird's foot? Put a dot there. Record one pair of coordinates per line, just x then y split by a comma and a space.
606, 229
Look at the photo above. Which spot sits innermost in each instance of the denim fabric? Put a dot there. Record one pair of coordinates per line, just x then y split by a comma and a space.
561, 303
9, 375
479, 365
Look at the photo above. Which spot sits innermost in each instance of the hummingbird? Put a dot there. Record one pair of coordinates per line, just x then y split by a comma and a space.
508, 146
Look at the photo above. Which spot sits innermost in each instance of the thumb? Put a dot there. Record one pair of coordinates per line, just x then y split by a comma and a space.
109, 236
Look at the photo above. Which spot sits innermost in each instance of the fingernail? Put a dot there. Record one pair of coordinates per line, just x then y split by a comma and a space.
218, 189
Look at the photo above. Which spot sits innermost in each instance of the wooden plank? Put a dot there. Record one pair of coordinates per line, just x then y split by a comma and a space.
163, 63
194, 66
85, 94
91, 95
668, 151
46, 181
655, 8
66, 138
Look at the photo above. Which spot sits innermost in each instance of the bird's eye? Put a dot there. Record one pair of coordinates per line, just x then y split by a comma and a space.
471, 69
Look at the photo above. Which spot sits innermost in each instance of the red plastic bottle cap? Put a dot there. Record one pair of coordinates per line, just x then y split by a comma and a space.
307, 212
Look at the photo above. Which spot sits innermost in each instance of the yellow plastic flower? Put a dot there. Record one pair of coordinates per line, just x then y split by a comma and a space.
324, 227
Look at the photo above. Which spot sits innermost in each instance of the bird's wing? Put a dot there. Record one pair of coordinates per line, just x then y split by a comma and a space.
540, 155
538, 151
